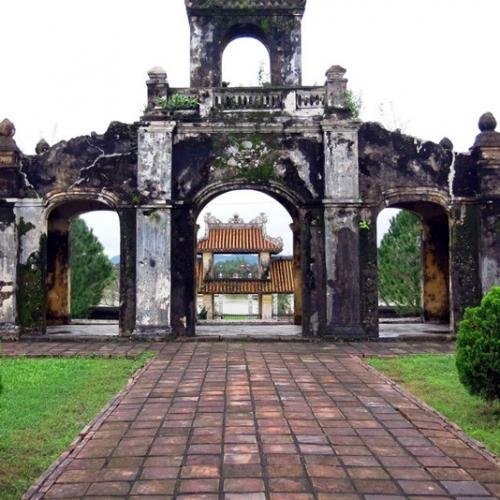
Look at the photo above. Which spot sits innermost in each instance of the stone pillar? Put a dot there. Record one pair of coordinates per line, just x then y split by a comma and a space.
342, 225
266, 306
297, 275
31, 266
208, 304
486, 153
368, 263
208, 263
275, 305
128, 245
157, 87
336, 88
8, 266
313, 293
464, 253
264, 264
9, 186
153, 256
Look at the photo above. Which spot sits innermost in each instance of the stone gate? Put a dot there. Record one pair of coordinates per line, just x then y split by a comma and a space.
301, 145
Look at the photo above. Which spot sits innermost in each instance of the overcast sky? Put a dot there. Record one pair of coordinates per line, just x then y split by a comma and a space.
429, 67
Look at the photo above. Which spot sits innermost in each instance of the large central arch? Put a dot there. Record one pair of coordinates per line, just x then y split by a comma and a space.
290, 201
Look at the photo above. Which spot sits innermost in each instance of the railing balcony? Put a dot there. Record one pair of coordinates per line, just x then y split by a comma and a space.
298, 101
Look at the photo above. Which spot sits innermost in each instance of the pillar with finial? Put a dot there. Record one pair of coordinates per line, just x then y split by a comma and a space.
157, 86
336, 88
486, 154
9, 152
10, 157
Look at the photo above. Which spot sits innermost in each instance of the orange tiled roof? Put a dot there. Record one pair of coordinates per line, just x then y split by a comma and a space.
238, 239
237, 236
281, 280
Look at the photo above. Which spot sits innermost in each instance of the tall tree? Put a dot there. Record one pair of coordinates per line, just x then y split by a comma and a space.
91, 270
400, 264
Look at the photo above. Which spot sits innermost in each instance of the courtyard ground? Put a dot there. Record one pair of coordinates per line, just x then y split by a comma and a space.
255, 420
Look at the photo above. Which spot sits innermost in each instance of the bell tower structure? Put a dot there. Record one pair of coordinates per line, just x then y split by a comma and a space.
277, 24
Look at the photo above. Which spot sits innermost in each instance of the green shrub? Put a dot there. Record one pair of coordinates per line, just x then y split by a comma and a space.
203, 314
478, 347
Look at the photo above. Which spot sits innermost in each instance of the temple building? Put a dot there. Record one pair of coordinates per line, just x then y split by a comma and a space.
240, 274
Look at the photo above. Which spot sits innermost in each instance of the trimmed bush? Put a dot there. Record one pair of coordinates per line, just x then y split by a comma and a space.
478, 347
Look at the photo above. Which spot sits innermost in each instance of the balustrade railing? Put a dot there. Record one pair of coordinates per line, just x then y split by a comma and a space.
247, 99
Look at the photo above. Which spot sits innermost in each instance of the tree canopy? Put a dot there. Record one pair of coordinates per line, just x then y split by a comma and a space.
400, 264
91, 270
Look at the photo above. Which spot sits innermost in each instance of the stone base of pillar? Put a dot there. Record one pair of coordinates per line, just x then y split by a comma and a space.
151, 332
349, 332
9, 331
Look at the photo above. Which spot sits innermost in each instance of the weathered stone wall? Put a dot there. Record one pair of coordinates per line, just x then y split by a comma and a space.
393, 162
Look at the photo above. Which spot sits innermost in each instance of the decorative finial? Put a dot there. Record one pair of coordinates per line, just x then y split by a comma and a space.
335, 72
7, 128
157, 72
445, 143
235, 219
487, 122
9, 152
42, 147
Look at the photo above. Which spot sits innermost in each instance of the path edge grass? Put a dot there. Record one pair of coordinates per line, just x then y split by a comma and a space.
50, 475
448, 424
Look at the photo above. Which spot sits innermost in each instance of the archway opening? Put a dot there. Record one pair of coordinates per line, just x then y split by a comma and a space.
248, 265
413, 266
83, 269
246, 63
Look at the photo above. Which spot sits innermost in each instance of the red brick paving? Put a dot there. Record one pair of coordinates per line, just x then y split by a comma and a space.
265, 421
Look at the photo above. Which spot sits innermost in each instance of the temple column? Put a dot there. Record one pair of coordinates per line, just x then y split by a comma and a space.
486, 153
153, 219
31, 265
342, 219
8, 266
267, 306
208, 304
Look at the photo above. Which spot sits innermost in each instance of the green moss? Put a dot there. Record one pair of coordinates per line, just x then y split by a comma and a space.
24, 227
133, 197
259, 173
248, 157
266, 25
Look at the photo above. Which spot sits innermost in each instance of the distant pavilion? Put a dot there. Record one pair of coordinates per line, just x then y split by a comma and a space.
251, 291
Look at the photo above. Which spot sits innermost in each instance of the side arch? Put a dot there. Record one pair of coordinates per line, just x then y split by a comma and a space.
432, 206
58, 210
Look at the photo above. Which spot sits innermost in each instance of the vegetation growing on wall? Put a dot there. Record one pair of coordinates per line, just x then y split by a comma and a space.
91, 270
30, 293
249, 158
400, 264
353, 103
177, 101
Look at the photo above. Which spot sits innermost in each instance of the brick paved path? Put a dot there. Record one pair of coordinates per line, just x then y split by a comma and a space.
256, 420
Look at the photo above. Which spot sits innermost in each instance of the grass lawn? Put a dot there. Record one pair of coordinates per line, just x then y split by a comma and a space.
44, 403
434, 379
